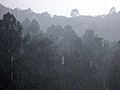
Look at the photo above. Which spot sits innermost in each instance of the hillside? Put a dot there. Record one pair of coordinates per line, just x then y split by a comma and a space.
106, 26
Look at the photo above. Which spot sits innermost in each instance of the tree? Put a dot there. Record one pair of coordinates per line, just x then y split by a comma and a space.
114, 71
25, 24
33, 27
30, 26
10, 42
74, 13
94, 58
112, 10
37, 65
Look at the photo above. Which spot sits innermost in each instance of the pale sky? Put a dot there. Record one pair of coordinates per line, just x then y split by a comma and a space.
64, 7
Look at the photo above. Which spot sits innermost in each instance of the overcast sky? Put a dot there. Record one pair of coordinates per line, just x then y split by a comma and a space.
64, 7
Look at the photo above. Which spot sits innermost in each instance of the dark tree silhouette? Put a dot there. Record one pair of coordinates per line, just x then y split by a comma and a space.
10, 41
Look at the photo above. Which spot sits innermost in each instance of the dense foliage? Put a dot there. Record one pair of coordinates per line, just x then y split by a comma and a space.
58, 59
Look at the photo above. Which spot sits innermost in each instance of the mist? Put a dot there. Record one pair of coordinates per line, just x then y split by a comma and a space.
59, 45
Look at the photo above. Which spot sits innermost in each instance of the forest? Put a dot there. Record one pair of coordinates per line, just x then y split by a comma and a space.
58, 59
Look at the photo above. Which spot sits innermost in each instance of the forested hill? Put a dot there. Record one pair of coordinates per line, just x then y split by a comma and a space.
106, 26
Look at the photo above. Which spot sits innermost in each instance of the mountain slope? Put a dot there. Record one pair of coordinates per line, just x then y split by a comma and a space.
106, 26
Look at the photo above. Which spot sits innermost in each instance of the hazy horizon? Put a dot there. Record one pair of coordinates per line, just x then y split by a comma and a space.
64, 7
59, 44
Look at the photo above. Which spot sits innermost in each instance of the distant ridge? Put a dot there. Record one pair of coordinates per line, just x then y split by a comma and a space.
106, 26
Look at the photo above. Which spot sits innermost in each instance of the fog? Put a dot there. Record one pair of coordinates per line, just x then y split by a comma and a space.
63, 7
59, 45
